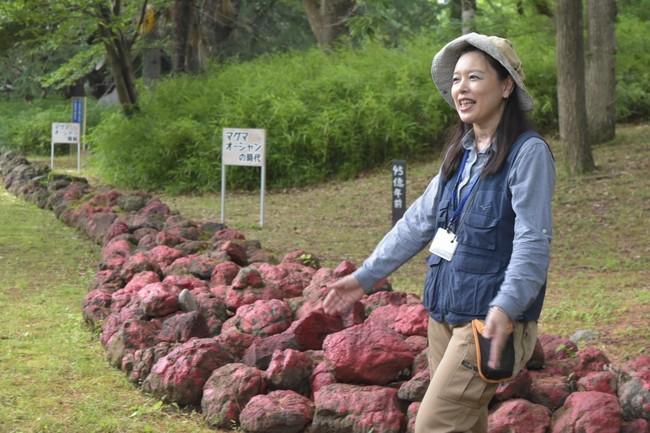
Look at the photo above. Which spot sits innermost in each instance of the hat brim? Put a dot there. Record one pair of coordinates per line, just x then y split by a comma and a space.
444, 63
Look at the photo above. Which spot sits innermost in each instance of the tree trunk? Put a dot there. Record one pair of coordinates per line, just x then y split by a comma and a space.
571, 87
118, 52
183, 19
328, 19
151, 67
456, 10
469, 16
542, 7
601, 70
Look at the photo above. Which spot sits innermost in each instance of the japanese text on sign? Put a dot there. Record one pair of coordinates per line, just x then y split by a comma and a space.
398, 190
65, 132
243, 147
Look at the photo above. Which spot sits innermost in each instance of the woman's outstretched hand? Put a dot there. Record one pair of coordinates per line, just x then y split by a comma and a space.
342, 295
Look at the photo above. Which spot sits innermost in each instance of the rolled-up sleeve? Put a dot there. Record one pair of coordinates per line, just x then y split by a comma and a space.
531, 181
407, 238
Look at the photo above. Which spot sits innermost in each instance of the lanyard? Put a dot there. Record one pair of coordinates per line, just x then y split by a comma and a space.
458, 208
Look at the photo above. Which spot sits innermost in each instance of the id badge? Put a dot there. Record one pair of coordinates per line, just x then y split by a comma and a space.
444, 244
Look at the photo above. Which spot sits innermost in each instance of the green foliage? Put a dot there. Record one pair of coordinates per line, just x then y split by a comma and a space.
27, 127
74, 69
325, 116
632, 74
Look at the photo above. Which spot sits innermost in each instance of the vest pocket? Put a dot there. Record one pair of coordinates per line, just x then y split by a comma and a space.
430, 297
480, 231
476, 280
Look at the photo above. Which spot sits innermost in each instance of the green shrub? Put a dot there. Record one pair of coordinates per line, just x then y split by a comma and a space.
325, 115
27, 126
632, 74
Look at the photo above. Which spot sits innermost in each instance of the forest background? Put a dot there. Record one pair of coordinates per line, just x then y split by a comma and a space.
332, 108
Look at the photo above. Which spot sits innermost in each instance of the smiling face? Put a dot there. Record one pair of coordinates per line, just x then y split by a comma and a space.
478, 92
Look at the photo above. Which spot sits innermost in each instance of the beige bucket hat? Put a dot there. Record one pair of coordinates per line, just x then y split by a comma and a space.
444, 62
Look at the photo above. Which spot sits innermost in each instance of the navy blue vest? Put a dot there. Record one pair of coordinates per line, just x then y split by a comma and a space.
460, 290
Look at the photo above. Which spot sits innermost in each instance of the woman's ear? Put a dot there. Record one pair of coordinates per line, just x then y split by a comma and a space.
509, 87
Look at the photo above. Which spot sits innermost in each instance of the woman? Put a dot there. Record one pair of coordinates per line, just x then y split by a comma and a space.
487, 217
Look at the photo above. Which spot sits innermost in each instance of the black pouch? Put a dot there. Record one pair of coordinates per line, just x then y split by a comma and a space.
505, 369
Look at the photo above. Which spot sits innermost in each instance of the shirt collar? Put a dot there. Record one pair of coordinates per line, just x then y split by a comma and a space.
468, 142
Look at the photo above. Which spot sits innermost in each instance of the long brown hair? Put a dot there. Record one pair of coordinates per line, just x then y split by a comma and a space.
513, 122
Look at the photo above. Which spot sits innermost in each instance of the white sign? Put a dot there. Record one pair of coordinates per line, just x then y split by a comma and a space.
243, 147
65, 132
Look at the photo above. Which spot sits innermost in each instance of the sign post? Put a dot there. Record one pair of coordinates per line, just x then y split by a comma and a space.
399, 189
65, 133
244, 147
79, 116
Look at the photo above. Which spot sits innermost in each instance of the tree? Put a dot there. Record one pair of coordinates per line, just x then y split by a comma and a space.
469, 16
600, 76
328, 19
118, 50
185, 52
69, 37
571, 97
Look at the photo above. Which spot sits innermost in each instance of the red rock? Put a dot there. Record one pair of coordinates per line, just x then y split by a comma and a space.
236, 251
136, 263
411, 414
263, 317
227, 234
549, 391
519, 416
164, 255
180, 375
321, 376
415, 388
589, 412
591, 360
181, 327
188, 282
345, 407
158, 299
384, 357
131, 335
602, 381
310, 331
240, 293
556, 347
404, 319
518, 387
115, 253
277, 412
290, 369
137, 365
236, 343
227, 391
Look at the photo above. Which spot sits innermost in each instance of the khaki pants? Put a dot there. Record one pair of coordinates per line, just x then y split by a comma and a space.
457, 398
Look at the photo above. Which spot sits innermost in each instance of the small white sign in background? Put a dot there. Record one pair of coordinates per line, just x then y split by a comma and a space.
66, 133
246, 147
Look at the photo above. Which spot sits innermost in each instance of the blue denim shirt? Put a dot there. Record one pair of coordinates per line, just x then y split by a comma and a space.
531, 181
